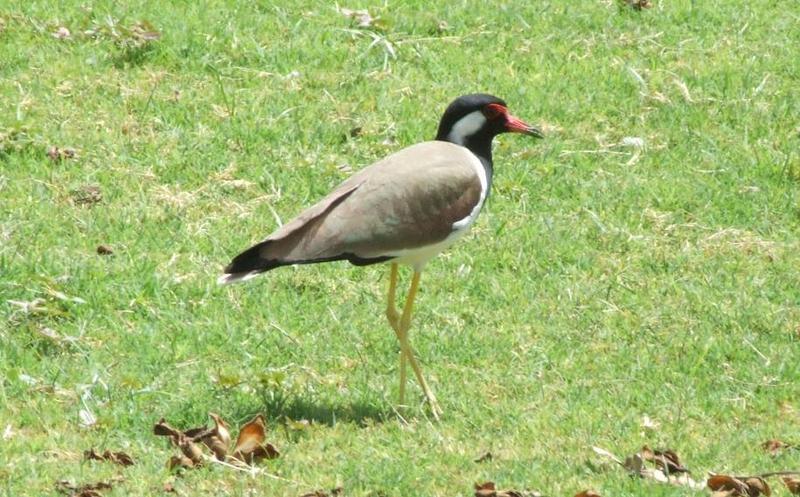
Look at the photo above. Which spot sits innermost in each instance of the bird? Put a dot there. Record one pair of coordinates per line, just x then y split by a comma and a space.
402, 210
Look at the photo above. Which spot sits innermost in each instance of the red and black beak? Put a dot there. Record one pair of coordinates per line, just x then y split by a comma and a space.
516, 125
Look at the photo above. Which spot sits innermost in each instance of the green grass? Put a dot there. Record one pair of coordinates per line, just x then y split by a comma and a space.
598, 287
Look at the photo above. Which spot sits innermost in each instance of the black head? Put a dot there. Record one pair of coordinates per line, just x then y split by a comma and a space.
473, 120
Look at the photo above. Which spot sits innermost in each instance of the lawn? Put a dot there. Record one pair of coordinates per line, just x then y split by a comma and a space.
634, 278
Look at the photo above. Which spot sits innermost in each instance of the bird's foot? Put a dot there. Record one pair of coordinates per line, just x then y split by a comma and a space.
436, 411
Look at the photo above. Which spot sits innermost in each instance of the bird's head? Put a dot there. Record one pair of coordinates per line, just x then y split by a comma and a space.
478, 118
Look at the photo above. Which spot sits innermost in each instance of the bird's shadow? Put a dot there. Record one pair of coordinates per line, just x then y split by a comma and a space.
281, 407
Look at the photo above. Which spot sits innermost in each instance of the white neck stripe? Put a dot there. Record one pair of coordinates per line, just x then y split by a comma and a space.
466, 127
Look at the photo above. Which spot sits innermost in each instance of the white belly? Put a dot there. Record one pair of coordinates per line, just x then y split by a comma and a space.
417, 257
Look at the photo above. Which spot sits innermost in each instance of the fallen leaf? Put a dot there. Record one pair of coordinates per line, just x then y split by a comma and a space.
792, 484
190, 449
221, 438
666, 460
104, 250
179, 462
587, 493
485, 489
758, 486
162, 429
250, 445
120, 458
738, 487
775, 447
635, 465
488, 489
57, 154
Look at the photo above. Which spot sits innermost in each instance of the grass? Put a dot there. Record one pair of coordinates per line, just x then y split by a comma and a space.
604, 282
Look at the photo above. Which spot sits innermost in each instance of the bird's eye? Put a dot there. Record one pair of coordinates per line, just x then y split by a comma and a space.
493, 111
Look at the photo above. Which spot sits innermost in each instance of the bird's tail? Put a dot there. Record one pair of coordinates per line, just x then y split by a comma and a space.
250, 264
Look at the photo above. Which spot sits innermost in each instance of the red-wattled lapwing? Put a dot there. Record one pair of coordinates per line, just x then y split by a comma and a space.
404, 209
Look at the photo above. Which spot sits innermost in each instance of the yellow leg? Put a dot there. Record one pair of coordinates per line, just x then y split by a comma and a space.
405, 346
394, 320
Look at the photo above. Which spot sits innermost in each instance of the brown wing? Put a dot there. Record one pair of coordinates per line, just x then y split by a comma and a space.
407, 200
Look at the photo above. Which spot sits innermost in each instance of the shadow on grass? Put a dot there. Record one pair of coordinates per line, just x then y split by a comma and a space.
284, 407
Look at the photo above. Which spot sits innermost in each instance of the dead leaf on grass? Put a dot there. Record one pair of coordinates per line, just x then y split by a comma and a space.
251, 444
732, 486
220, 438
488, 489
57, 154
120, 458
666, 460
103, 249
190, 449
668, 468
180, 462
775, 447
792, 484
587, 493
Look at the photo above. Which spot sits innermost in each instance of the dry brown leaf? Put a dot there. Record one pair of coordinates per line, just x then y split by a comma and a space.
758, 486
58, 154
775, 447
103, 249
179, 462
220, 439
251, 444
635, 464
163, 429
120, 458
587, 493
485, 489
792, 483
190, 449
666, 460
221, 428
753, 486
488, 489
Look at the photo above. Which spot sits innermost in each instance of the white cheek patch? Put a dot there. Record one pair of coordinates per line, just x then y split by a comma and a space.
466, 127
